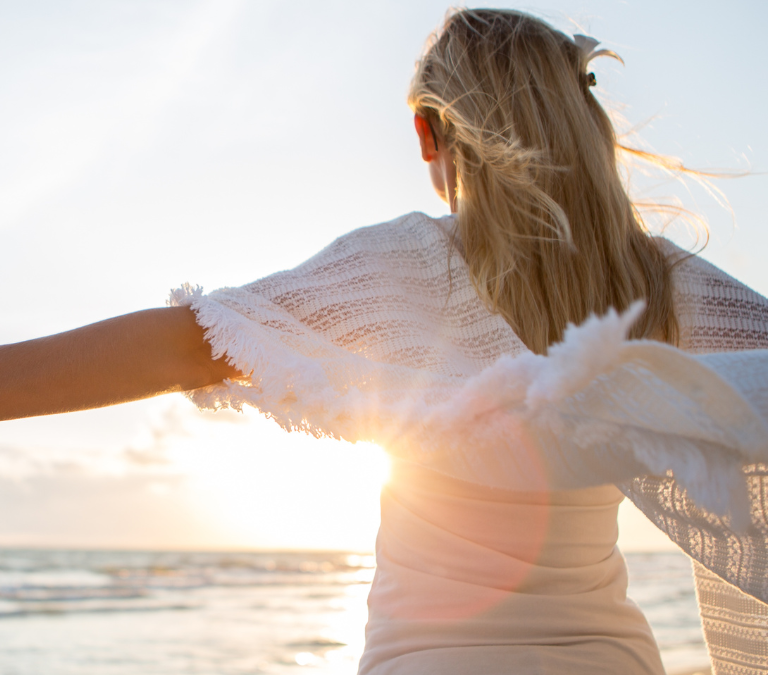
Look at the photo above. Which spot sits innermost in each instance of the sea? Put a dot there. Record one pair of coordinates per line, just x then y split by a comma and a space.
242, 613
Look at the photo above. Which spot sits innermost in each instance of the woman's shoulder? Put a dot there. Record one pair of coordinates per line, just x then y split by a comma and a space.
410, 230
715, 311
412, 244
695, 274
409, 237
688, 265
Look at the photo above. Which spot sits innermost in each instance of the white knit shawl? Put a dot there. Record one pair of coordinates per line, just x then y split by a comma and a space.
382, 337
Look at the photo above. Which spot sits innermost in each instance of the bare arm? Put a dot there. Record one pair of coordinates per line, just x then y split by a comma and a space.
122, 359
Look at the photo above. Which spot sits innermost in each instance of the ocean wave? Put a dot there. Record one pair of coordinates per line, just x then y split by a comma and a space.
86, 612
319, 643
52, 608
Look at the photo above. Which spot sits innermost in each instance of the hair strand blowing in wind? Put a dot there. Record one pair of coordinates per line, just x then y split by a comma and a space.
549, 233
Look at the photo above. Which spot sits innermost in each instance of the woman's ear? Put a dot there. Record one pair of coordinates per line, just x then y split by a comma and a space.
427, 138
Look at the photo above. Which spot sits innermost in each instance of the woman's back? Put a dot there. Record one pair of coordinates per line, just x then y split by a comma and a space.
471, 579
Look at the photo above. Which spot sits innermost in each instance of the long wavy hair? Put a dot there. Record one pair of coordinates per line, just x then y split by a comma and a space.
549, 233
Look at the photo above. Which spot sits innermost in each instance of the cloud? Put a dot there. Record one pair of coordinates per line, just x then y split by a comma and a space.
149, 453
155, 453
17, 464
100, 511
145, 455
226, 415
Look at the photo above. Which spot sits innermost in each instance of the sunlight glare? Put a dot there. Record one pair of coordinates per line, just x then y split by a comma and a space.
261, 483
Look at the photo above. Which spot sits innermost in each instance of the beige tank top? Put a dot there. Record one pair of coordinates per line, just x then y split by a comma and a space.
477, 580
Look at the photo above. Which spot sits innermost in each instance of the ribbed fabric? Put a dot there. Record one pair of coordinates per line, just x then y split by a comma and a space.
477, 580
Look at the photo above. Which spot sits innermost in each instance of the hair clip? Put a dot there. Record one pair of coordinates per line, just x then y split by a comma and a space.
587, 46
591, 80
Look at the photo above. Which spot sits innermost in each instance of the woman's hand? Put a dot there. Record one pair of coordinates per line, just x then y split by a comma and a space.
122, 359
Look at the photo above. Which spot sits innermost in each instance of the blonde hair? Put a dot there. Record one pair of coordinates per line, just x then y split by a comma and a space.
549, 233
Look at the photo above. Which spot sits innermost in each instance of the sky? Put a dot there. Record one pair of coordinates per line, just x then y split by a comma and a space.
150, 143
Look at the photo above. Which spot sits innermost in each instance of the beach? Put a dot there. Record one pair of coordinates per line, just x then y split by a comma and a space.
243, 613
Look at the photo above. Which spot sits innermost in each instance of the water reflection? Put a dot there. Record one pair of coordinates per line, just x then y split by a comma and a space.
239, 613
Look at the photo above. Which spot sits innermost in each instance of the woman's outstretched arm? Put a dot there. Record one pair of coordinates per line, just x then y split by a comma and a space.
122, 359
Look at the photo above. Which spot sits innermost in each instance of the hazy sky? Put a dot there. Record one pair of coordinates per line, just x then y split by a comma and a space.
148, 143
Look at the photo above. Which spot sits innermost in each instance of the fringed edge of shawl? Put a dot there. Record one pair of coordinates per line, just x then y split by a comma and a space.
278, 385
525, 401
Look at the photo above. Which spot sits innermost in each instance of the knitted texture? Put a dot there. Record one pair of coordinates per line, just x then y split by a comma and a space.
381, 336
719, 315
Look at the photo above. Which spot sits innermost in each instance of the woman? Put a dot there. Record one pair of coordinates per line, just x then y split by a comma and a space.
389, 332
